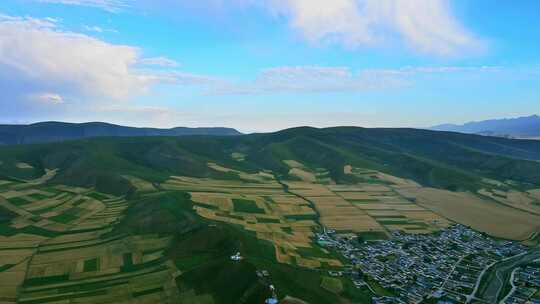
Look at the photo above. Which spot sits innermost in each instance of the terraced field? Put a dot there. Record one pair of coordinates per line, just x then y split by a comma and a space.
265, 209
56, 247
370, 208
61, 243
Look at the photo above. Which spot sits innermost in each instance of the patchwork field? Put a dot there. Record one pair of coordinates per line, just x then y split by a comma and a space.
285, 220
190, 184
367, 208
58, 245
55, 249
392, 201
481, 214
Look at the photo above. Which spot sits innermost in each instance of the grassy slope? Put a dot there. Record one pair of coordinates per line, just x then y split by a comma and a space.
438, 159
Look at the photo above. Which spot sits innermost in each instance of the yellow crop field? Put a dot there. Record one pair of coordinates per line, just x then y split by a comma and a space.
312, 176
339, 214
308, 189
140, 184
369, 207
293, 163
303, 175
134, 265
516, 199
394, 180
238, 156
10, 280
284, 220
383, 213
355, 223
250, 177
491, 217
534, 193
51, 264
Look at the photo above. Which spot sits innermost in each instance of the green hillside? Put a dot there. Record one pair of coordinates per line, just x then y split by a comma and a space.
438, 159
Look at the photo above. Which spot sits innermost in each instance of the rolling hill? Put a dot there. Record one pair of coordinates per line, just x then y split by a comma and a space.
59, 131
437, 159
522, 127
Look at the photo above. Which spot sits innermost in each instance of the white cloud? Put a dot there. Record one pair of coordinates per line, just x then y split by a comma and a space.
38, 52
107, 5
427, 26
159, 61
434, 70
37, 56
48, 98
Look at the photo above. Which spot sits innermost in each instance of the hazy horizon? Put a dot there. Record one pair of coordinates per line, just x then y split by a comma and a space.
257, 131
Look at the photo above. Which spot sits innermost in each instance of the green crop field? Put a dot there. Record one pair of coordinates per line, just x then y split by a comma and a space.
248, 206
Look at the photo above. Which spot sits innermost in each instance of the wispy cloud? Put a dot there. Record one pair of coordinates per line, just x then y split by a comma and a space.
316, 79
159, 61
311, 79
98, 29
48, 98
423, 26
427, 26
107, 5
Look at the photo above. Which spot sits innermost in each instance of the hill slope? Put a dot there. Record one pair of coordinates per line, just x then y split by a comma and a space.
444, 160
59, 131
522, 127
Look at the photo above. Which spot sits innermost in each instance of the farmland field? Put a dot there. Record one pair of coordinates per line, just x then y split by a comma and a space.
373, 208
56, 248
476, 212
285, 220
162, 226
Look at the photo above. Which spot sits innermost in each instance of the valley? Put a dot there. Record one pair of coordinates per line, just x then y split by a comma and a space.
159, 219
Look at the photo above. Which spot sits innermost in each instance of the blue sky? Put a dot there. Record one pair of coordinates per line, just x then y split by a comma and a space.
263, 65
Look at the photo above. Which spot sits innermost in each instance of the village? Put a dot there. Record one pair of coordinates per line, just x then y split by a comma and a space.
445, 267
525, 283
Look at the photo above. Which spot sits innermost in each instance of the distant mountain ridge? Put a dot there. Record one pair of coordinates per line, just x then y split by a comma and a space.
53, 131
521, 127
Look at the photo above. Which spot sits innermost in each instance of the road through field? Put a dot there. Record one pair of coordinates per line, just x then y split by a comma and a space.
503, 270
